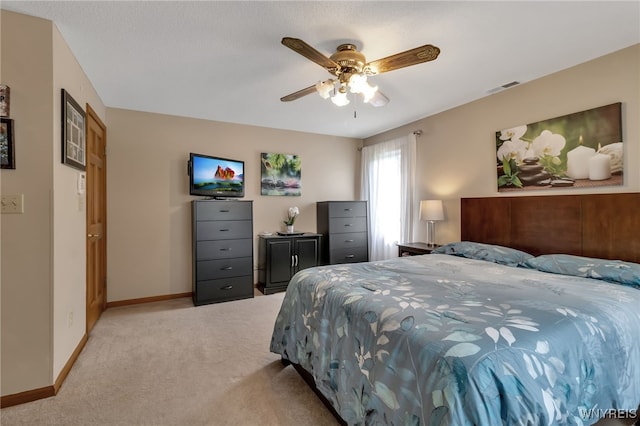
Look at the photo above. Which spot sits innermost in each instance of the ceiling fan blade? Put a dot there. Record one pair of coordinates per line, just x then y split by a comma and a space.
310, 53
415, 56
300, 93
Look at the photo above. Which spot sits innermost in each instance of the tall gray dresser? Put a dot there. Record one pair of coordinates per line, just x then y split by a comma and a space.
222, 250
344, 229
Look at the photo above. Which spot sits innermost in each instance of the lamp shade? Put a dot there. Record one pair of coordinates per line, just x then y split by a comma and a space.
340, 98
431, 210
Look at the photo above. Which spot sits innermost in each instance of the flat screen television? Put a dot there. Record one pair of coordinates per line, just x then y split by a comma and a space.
215, 177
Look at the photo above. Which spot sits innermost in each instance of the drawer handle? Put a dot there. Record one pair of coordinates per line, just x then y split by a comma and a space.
348, 224
226, 249
347, 210
224, 230
348, 241
224, 211
227, 287
226, 268
350, 256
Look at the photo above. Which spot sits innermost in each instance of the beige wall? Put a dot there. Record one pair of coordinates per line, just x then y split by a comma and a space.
456, 152
149, 222
43, 249
27, 238
69, 212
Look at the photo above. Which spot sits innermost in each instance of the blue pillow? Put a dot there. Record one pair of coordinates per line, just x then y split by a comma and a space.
489, 252
615, 271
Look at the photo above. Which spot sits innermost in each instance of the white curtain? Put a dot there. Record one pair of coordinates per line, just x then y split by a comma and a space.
388, 184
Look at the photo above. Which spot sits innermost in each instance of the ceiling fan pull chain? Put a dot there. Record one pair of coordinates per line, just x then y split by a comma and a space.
355, 106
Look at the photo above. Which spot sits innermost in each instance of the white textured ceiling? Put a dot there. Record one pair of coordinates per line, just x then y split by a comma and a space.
223, 61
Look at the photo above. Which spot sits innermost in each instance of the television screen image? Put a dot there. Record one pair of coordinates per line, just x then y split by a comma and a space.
215, 176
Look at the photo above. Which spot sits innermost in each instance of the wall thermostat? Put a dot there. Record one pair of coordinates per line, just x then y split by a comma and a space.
82, 183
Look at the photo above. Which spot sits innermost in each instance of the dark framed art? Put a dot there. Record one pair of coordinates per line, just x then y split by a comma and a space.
7, 146
74, 147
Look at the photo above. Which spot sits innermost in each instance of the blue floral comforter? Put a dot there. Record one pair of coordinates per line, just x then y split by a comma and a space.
444, 340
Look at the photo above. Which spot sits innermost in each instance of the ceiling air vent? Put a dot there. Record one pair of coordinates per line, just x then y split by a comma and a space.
504, 86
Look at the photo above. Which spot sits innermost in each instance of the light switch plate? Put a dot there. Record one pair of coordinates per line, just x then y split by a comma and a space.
12, 203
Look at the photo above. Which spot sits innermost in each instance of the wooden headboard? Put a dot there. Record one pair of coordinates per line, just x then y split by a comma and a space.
594, 225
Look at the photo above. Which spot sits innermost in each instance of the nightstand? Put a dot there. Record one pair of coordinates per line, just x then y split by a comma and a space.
413, 249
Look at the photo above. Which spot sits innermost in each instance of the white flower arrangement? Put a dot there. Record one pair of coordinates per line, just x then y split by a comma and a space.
291, 217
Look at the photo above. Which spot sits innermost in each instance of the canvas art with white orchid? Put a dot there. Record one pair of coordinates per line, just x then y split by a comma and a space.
575, 150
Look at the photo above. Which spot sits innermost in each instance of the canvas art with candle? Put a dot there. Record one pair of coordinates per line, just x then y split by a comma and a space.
582, 149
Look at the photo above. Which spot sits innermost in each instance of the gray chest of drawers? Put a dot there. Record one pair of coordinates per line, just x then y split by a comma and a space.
222, 250
344, 228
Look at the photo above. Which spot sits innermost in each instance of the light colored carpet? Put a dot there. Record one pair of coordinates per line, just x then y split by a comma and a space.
170, 363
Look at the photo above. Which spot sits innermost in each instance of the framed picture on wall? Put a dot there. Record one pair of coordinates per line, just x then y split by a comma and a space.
280, 174
579, 150
7, 147
74, 148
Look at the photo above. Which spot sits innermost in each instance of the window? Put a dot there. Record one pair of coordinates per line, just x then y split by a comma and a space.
388, 174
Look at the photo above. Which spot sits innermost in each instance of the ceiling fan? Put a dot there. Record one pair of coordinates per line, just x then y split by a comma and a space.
351, 70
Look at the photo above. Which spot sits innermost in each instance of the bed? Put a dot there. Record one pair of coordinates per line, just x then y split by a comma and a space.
477, 333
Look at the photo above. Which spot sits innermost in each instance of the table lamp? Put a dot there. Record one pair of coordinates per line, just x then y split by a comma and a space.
431, 210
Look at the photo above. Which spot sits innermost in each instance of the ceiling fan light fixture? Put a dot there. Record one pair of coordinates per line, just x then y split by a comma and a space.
350, 69
378, 99
324, 88
358, 83
369, 92
340, 98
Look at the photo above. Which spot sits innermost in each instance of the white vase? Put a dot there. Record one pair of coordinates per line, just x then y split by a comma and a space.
290, 229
